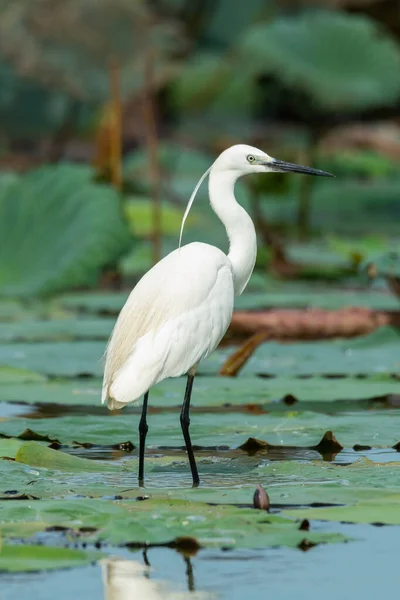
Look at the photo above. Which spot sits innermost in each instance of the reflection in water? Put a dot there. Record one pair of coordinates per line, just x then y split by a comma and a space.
189, 574
129, 580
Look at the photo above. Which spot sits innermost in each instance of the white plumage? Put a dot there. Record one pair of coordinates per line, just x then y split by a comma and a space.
179, 311
153, 339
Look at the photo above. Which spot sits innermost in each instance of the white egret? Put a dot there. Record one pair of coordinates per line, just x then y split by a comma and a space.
179, 311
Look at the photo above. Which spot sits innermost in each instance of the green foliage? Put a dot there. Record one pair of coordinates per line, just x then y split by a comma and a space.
181, 167
359, 163
346, 207
46, 109
218, 83
70, 44
28, 109
58, 229
138, 211
201, 79
357, 249
343, 62
218, 33
386, 264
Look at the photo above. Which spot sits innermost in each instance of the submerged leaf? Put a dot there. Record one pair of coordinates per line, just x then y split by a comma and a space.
39, 558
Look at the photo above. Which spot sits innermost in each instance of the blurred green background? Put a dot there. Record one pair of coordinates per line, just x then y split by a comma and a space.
110, 111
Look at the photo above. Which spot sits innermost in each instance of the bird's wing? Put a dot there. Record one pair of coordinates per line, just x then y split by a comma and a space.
172, 316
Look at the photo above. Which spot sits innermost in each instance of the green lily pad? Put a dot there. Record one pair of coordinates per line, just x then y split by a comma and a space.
36, 455
95, 302
385, 510
209, 391
159, 521
18, 559
293, 426
10, 309
376, 353
61, 329
282, 295
138, 211
228, 481
16, 375
372, 354
328, 300
9, 447
64, 359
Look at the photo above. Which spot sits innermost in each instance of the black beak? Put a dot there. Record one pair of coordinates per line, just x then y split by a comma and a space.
280, 166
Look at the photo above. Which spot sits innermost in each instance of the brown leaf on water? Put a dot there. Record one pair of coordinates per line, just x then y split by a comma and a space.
121, 446
289, 400
308, 323
124, 446
297, 324
55, 446
304, 525
30, 436
255, 409
87, 529
327, 444
18, 496
361, 447
252, 445
261, 499
393, 400
86, 445
238, 359
306, 545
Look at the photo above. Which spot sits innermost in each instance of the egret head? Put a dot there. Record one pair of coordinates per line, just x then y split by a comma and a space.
243, 160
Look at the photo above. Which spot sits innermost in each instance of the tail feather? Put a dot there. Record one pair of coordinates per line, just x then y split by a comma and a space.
104, 392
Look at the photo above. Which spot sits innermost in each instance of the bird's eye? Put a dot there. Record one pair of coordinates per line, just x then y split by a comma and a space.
251, 158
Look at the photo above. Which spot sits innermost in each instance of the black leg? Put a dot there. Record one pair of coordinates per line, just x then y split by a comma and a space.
143, 429
185, 422
145, 558
189, 574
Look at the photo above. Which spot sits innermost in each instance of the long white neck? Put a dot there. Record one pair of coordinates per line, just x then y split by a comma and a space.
239, 226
